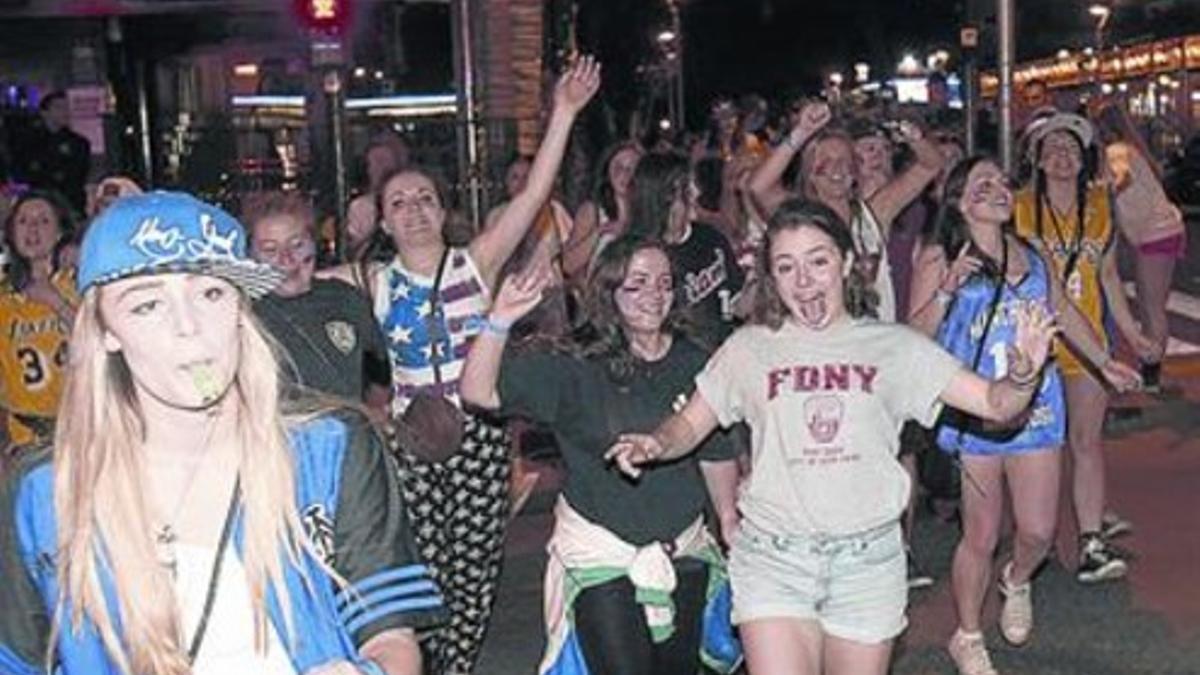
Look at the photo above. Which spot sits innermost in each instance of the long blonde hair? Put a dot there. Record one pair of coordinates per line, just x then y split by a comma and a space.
104, 526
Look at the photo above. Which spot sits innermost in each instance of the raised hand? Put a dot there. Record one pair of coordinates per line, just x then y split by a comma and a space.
577, 85
908, 132
960, 270
521, 292
1036, 329
811, 119
633, 450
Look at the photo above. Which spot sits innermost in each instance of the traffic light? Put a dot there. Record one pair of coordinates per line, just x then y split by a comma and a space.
324, 17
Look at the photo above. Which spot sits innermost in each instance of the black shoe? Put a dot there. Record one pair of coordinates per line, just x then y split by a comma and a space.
917, 577
1152, 377
1098, 561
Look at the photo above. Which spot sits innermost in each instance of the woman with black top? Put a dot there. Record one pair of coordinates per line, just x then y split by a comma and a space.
622, 551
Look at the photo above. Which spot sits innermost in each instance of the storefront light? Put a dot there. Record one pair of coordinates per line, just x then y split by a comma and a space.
246, 70
908, 65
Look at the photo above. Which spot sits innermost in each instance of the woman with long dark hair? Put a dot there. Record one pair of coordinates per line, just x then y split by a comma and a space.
605, 216
431, 300
632, 566
37, 305
817, 565
1069, 216
973, 277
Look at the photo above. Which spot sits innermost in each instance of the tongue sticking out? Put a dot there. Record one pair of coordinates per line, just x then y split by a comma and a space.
813, 311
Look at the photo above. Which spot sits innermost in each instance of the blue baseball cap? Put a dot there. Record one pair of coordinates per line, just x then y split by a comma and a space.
169, 232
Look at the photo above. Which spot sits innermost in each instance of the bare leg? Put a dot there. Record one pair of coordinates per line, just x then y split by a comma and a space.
1153, 283
782, 646
1033, 480
1086, 403
847, 657
982, 505
909, 462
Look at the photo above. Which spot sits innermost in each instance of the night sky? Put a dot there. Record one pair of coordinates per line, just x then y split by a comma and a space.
780, 47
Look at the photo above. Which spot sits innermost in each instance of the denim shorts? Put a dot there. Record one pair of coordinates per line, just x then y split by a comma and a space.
854, 586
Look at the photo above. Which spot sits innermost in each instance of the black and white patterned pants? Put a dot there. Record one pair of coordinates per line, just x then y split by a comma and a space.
459, 509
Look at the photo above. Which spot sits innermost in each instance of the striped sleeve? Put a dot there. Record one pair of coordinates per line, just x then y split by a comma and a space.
389, 584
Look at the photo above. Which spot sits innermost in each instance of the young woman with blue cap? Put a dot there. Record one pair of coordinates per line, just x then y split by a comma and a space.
183, 521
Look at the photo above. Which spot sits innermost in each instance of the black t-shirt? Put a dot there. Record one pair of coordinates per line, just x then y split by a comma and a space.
587, 410
331, 336
709, 279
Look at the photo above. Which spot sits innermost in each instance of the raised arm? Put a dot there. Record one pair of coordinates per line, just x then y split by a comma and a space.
1003, 399
519, 294
891, 199
492, 247
677, 436
766, 183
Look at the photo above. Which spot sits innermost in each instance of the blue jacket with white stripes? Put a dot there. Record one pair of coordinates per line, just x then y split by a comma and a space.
353, 514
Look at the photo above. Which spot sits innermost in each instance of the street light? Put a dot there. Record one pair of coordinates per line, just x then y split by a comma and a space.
862, 72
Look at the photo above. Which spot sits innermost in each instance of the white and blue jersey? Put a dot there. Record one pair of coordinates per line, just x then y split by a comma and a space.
352, 512
960, 333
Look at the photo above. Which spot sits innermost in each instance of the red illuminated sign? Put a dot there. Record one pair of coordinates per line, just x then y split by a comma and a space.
325, 17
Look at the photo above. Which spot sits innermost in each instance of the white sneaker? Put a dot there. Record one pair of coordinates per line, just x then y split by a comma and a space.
970, 654
1016, 617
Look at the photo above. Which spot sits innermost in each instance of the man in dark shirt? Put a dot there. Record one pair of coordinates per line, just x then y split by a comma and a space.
52, 156
326, 326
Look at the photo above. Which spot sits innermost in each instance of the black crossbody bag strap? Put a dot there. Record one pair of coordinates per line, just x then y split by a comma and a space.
435, 305
210, 596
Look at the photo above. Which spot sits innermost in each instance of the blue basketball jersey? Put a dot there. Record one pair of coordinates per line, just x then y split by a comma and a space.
1044, 423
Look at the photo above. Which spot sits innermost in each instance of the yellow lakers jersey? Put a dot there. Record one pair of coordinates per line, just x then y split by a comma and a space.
1061, 236
33, 358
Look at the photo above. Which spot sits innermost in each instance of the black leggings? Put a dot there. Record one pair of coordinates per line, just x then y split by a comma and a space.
614, 637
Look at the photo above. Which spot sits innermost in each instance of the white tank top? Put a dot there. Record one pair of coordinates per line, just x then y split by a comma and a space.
228, 645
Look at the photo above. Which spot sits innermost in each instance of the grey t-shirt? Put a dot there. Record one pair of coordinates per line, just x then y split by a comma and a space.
825, 412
